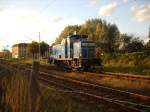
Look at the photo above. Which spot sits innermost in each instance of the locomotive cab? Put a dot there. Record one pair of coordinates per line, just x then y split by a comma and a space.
85, 52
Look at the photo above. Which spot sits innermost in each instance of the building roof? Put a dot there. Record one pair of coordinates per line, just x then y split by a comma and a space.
21, 44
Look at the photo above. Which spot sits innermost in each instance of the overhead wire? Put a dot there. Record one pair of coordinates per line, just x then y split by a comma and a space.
47, 6
40, 12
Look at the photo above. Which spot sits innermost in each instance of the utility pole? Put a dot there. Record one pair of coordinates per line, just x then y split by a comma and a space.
149, 33
39, 47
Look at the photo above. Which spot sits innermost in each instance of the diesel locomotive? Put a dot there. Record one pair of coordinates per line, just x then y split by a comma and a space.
75, 52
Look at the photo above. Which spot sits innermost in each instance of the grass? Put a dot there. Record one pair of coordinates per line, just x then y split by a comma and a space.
20, 92
138, 86
132, 85
14, 91
56, 101
28, 61
17, 94
131, 70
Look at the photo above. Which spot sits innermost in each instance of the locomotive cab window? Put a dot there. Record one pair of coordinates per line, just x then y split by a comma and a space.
59, 56
84, 53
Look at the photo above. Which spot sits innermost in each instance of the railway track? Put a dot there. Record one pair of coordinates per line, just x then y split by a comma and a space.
110, 74
125, 100
103, 74
119, 76
94, 99
95, 84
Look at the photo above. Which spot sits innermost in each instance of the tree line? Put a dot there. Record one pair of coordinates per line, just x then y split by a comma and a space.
34, 49
106, 36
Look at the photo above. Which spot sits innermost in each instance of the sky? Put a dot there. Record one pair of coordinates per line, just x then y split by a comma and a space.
22, 20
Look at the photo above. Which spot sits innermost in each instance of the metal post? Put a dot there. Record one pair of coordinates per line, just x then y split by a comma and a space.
34, 88
39, 47
35, 69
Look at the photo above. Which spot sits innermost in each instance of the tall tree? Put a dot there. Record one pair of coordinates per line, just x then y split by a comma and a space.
103, 34
125, 40
135, 45
112, 38
34, 48
44, 48
149, 33
67, 31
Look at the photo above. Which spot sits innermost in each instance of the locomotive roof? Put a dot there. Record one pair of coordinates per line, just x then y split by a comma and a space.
78, 36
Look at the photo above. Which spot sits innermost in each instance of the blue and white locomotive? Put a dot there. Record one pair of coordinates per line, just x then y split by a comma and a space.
75, 51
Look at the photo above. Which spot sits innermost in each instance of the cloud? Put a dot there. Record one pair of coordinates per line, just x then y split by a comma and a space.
56, 19
5, 7
75, 21
125, 1
29, 22
92, 3
2, 8
141, 12
18, 22
108, 9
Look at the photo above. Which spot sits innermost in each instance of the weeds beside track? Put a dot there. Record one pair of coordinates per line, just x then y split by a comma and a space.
91, 91
97, 93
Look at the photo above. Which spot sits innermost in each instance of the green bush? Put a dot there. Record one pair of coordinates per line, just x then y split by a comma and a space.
127, 59
136, 62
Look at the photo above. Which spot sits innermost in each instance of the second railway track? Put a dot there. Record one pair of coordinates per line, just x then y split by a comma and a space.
125, 100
